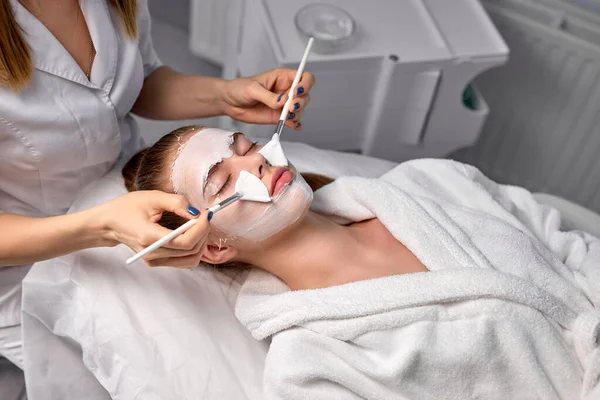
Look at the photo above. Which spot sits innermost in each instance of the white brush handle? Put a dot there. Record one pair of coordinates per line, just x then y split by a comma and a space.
230, 200
286, 107
160, 242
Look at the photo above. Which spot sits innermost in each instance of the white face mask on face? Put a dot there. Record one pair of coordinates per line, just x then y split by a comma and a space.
249, 220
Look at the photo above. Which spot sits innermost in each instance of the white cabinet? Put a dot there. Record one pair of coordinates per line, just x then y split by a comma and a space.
394, 91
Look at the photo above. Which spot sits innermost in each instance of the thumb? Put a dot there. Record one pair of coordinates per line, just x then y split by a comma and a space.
175, 203
274, 101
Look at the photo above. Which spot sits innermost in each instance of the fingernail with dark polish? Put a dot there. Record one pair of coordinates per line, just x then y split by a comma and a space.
193, 210
299, 124
210, 215
296, 106
280, 96
292, 115
300, 91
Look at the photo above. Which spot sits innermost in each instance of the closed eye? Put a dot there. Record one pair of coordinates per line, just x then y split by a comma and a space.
225, 185
237, 143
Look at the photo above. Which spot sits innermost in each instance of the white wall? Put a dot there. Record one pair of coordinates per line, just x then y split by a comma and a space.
593, 4
175, 12
170, 40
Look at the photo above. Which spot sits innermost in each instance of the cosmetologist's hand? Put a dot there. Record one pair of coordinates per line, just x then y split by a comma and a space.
260, 99
132, 219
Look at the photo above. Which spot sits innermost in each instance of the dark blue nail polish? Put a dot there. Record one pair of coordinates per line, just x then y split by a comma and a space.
193, 210
210, 215
296, 106
280, 96
299, 124
292, 115
300, 91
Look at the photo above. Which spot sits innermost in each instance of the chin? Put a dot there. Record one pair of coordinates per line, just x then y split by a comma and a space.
265, 222
251, 243
284, 232
306, 209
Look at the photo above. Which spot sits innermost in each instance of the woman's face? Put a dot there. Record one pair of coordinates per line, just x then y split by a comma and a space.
206, 169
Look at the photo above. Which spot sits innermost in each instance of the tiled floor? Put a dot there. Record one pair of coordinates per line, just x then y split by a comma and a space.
171, 45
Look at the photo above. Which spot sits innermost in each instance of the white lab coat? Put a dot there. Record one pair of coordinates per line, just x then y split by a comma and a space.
63, 131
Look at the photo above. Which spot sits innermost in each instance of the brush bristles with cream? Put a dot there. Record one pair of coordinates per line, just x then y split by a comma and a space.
252, 188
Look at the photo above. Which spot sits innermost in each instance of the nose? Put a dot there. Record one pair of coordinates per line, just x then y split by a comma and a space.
255, 164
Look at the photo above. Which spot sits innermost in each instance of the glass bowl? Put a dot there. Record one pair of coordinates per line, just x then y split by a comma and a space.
330, 26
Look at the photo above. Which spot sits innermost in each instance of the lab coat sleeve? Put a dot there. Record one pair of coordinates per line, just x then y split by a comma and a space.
149, 57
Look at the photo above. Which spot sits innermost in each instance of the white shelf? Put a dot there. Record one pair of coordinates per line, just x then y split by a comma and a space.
395, 89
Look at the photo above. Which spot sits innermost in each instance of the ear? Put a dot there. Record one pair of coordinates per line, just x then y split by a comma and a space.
217, 254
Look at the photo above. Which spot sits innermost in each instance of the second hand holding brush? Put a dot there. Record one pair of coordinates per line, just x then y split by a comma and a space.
247, 187
272, 150
286, 107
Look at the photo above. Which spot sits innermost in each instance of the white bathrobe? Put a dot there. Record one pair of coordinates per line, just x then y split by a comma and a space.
508, 309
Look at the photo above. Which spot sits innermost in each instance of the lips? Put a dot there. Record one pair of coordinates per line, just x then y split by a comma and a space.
281, 177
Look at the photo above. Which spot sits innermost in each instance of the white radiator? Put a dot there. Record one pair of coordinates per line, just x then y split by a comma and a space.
543, 131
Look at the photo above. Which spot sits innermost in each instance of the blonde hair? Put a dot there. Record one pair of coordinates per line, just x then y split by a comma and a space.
16, 68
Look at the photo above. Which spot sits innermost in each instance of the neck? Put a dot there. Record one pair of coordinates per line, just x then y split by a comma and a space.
309, 253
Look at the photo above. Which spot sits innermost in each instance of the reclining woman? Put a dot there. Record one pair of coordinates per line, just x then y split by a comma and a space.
429, 282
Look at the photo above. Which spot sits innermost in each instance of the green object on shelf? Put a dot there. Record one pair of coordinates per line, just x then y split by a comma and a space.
469, 97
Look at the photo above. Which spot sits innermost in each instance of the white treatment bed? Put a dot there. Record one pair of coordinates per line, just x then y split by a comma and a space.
95, 328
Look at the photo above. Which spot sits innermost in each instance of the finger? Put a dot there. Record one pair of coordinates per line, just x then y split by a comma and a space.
196, 234
280, 79
306, 83
187, 262
299, 103
188, 240
294, 116
174, 203
162, 252
258, 92
295, 125
152, 232
281, 99
148, 234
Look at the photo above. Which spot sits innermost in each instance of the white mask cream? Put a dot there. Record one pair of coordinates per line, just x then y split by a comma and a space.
273, 152
252, 188
249, 220
195, 158
259, 221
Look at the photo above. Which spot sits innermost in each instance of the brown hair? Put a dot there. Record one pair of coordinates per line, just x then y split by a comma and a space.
16, 67
144, 171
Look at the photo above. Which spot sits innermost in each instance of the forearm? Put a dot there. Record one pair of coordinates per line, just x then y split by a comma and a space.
169, 95
26, 240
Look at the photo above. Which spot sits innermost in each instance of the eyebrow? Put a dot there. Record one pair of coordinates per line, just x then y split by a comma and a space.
216, 167
235, 139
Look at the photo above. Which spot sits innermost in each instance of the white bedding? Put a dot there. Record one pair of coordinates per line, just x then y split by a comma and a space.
510, 307
95, 328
